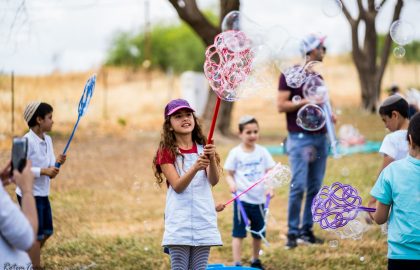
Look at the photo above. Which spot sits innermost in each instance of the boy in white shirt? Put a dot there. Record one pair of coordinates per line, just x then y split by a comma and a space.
394, 114
245, 164
38, 115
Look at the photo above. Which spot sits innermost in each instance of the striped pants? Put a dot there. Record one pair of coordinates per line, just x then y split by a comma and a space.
189, 257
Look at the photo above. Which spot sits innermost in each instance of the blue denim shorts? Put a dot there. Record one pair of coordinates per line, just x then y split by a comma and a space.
255, 213
45, 221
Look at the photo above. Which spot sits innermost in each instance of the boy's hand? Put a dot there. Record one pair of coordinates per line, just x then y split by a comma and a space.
270, 192
24, 180
61, 159
220, 207
202, 162
210, 150
5, 174
232, 186
50, 171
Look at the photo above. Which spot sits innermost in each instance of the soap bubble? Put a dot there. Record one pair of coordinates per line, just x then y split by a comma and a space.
401, 32
315, 90
332, 8
399, 52
333, 243
296, 99
311, 117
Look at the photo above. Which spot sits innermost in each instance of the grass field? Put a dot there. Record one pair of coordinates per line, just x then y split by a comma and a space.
108, 213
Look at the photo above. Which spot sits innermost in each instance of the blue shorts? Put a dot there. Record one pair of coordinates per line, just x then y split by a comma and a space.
45, 221
255, 213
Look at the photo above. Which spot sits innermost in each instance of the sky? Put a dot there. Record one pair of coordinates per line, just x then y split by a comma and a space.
74, 35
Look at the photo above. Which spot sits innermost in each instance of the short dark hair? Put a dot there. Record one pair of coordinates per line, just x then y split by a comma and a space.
414, 129
394, 103
242, 124
42, 110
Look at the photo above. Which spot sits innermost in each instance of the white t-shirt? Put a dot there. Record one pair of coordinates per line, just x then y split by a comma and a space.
16, 234
395, 145
249, 167
41, 153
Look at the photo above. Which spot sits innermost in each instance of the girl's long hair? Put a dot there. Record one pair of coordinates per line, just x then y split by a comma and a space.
168, 143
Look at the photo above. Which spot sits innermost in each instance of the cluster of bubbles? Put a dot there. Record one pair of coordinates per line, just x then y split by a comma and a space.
228, 63
402, 33
246, 58
312, 117
278, 176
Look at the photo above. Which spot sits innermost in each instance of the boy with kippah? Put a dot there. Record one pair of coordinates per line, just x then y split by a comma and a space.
394, 114
245, 164
38, 116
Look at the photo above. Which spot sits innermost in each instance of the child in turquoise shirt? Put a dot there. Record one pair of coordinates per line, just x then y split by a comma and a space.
398, 193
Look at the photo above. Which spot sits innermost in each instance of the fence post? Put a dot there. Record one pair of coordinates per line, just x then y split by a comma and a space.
13, 101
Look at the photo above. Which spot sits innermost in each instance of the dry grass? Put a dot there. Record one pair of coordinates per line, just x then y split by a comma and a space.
108, 213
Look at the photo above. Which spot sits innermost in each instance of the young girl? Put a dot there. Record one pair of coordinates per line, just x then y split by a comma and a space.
38, 115
191, 168
399, 186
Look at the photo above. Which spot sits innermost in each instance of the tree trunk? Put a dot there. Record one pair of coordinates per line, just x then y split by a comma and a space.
365, 57
190, 14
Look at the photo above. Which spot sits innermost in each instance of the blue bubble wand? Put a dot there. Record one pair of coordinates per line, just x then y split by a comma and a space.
83, 105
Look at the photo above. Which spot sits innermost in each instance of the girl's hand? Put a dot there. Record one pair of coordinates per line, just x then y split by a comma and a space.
61, 159
202, 162
51, 171
210, 150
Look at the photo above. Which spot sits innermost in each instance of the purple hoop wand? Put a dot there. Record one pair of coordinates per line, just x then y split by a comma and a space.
333, 207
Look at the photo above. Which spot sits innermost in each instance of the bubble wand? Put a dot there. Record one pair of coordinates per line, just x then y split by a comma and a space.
334, 207
83, 105
227, 65
246, 220
316, 92
276, 177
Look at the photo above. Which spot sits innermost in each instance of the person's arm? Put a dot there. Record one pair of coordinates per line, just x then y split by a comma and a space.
180, 183
5, 174
25, 182
381, 214
286, 105
231, 181
212, 170
386, 161
15, 228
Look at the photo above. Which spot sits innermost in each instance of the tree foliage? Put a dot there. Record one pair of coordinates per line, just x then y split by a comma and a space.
173, 47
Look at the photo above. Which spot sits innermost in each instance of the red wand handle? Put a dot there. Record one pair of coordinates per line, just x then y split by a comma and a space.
213, 120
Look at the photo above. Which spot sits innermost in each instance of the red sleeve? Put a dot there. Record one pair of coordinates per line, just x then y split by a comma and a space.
164, 156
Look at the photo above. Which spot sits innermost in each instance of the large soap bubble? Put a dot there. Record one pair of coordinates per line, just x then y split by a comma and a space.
402, 32
315, 90
332, 8
311, 117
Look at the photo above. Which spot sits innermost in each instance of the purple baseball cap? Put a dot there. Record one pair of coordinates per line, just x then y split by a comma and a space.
175, 105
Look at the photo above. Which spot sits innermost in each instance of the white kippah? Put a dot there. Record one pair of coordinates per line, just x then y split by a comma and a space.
30, 110
245, 119
391, 100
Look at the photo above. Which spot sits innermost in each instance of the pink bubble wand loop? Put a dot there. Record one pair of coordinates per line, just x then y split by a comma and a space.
276, 177
227, 64
333, 207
